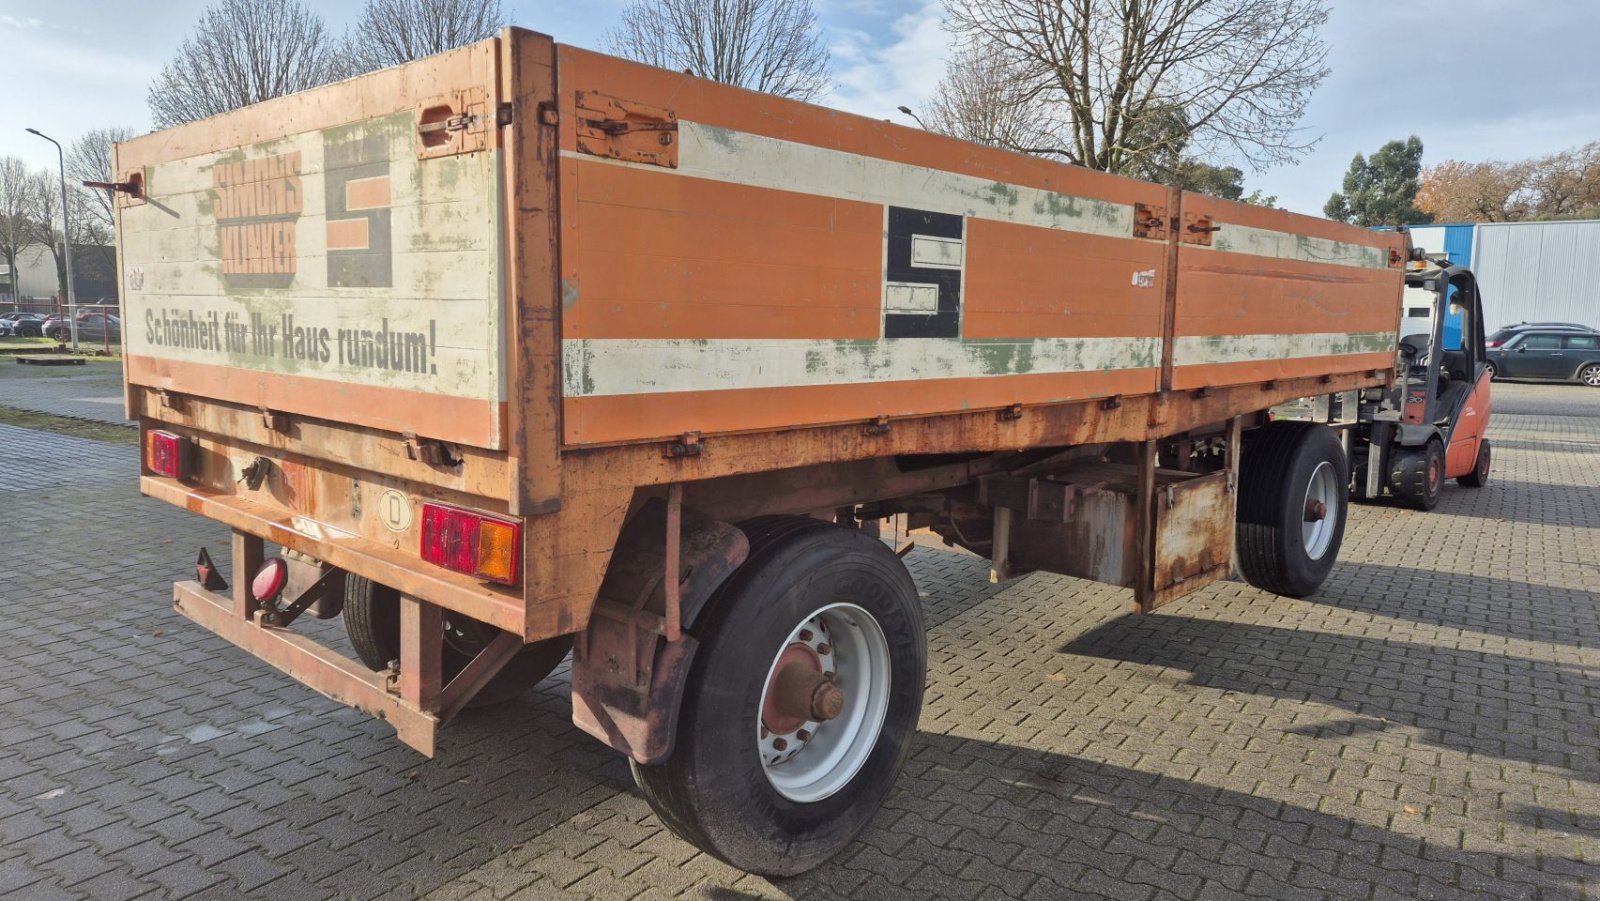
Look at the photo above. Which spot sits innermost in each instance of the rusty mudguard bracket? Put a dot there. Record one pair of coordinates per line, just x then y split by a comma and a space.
627, 677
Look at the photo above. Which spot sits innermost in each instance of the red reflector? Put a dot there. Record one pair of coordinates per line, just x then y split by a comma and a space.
270, 579
454, 539
166, 454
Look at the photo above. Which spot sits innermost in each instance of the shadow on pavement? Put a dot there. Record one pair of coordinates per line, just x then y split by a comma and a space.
1493, 606
1487, 704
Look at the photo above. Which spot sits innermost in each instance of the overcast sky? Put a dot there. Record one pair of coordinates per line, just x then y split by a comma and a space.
1476, 79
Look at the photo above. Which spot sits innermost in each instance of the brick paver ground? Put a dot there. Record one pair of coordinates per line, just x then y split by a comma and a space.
92, 391
1428, 726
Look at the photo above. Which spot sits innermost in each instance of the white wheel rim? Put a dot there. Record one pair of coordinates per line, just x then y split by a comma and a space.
1321, 510
1591, 376
809, 767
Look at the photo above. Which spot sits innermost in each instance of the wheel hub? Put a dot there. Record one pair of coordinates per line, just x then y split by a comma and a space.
823, 702
801, 694
1316, 511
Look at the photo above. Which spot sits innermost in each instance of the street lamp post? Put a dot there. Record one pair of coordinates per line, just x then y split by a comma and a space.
66, 236
917, 118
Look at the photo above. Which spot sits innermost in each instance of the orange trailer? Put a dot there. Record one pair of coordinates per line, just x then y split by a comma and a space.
523, 349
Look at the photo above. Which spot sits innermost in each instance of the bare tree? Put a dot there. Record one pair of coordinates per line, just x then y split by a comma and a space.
243, 52
90, 160
391, 32
16, 213
1109, 74
982, 98
765, 45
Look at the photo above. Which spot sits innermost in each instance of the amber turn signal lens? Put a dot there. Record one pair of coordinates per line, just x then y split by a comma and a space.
498, 551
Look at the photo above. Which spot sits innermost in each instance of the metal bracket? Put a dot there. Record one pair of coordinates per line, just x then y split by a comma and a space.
1151, 222
431, 451
1011, 413
626, 130
170, 401
283, 616
1198, 229
687, 445
274, 420
878, 427
1111, 403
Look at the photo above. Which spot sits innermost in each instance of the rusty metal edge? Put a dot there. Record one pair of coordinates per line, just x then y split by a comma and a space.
318, 668
364, 558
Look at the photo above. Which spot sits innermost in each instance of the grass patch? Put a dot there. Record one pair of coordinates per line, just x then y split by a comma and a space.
61, 425
19, 341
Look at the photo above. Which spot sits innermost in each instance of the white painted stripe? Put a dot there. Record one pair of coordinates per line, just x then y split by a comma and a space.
607, 367
742, 158
1197, 350
1263, 242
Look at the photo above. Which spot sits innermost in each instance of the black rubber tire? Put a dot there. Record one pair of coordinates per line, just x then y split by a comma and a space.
372, 621
1479, 476
1274, 476
1416, 475
712, 791
1492, 372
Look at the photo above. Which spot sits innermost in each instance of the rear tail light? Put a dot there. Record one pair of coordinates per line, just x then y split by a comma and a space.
270, 579
482, 546
1492, 344
166, 454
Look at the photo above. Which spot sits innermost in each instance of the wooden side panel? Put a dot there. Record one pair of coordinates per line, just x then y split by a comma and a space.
1275, 295
317, 254
794, 266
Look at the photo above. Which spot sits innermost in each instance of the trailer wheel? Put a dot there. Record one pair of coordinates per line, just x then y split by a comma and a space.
802, 701
1294, 485
1416, 475
1479, 476
372, 621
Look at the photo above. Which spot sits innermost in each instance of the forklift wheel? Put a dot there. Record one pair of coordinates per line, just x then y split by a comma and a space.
1479, 476
1293, 495
1416, 475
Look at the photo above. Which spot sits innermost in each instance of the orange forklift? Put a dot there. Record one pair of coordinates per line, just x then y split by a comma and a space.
1432, 424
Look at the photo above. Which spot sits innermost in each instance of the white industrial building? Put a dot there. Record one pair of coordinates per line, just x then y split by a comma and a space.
1528, 271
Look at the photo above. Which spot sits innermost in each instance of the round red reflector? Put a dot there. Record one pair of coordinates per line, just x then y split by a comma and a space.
270, 579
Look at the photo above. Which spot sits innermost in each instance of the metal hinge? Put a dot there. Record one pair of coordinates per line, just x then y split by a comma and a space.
503, 114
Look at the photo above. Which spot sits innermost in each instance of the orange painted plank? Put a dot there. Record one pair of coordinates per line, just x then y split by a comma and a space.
1200, 376
699, 100
1023, 281
662, 255
1222, 293
603, 420
457, 419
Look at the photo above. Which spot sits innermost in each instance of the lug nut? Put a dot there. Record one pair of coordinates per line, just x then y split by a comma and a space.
779, 744
803, 735
805, 635
824, 648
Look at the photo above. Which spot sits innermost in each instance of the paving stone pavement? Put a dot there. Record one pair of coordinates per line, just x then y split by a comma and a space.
92, 391
1424, 727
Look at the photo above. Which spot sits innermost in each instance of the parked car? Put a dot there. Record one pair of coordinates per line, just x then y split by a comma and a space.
1549, 354
91, 327
1501, 336
22, 324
